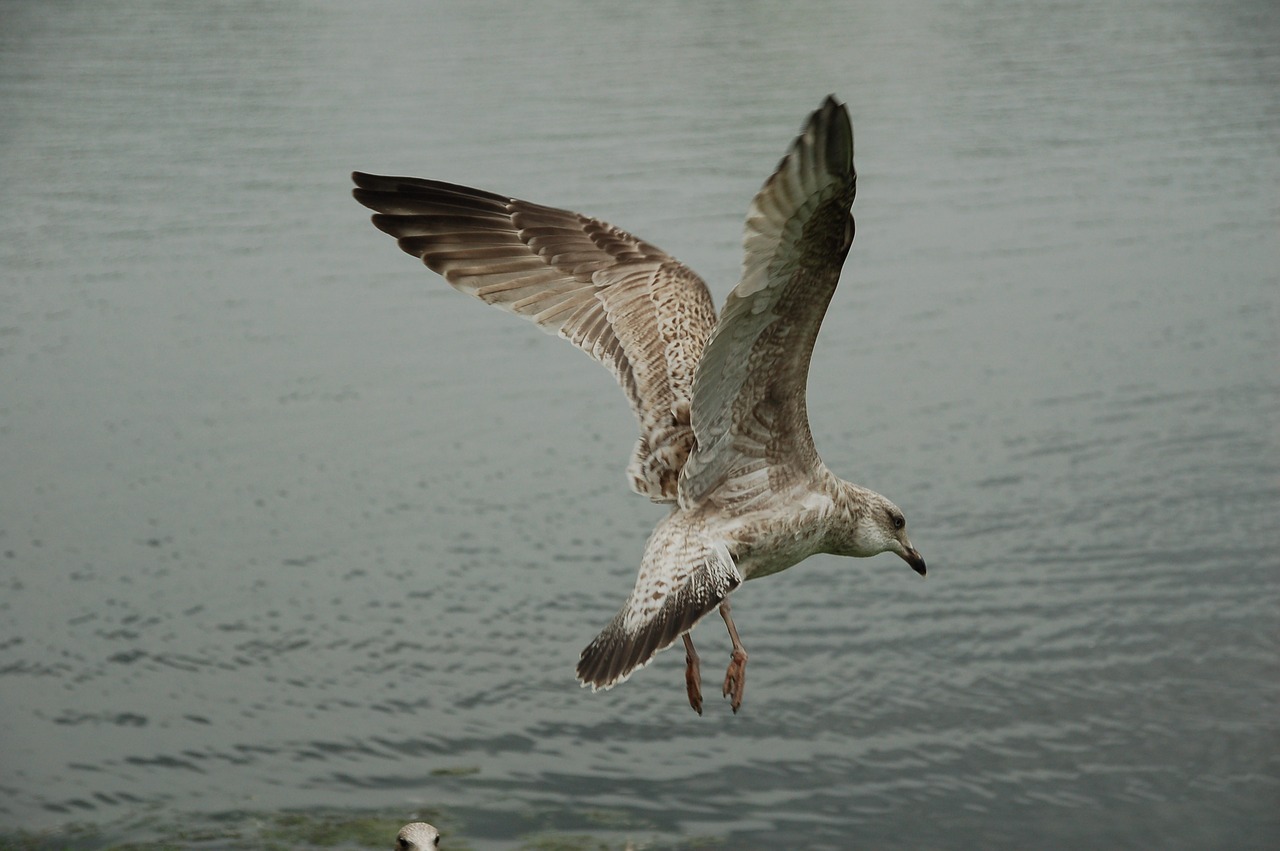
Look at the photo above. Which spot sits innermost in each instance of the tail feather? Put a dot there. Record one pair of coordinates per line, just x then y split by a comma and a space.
630, 641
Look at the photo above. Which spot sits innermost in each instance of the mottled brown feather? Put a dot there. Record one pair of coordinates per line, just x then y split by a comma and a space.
626, 303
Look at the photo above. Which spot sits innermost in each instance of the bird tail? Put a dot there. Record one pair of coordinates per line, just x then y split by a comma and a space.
645, 626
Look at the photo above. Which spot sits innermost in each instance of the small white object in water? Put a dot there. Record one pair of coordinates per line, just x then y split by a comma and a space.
417, 836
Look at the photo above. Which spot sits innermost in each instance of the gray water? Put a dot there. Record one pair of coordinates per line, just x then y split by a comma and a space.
286, 523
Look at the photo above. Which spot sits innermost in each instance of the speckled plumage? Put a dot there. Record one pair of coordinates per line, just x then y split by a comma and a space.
724, 431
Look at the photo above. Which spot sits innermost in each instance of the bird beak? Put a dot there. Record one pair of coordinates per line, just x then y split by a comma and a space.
912, 557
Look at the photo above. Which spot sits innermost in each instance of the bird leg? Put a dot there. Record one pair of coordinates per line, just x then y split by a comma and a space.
735, 679
692, 675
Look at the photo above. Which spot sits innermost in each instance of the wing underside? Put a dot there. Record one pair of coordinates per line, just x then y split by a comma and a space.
639, 312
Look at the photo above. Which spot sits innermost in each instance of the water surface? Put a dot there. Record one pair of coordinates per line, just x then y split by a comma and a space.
287, 523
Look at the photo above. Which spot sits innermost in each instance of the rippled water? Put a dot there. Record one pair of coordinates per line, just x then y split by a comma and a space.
286, 523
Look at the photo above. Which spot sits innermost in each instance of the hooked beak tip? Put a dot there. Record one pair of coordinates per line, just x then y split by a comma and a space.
912, 557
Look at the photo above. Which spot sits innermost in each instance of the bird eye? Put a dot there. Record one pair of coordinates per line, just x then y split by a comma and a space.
899, 521
402, 842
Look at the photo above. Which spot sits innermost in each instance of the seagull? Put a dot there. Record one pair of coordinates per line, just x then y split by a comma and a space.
417, 836
720, 402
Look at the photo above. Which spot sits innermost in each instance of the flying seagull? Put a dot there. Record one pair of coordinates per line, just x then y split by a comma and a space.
724, 431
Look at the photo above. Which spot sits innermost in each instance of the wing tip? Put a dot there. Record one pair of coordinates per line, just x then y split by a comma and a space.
830, 124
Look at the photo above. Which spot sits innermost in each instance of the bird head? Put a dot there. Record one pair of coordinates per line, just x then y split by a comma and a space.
879, 527
418, 836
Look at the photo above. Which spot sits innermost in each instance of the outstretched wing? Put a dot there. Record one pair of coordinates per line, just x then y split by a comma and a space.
682, 579
749, 414
641, 313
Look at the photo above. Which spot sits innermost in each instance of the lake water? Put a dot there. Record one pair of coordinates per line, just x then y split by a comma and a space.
286, 524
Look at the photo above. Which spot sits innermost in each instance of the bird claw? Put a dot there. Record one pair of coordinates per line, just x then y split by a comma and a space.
693, 681
735, 679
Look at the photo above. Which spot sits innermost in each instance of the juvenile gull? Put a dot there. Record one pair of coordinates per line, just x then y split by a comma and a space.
724, 432
417, 836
